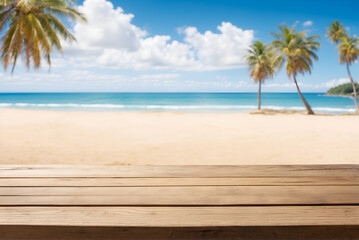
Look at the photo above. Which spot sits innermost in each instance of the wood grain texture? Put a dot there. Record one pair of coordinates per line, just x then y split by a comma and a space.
180, 233
193, 195
179, 171
179, 196
180, 216
142, 182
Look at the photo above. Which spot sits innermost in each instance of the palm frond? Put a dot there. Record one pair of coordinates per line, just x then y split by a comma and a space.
259, 60
348, 49
33, 30
335, 31
295, 50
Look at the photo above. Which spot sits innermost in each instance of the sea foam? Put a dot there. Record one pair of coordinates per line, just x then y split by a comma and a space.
167, 107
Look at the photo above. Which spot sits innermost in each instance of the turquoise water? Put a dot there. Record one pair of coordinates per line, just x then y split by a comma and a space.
173, 101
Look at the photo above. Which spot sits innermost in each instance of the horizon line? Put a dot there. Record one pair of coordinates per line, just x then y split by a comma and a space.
162, 92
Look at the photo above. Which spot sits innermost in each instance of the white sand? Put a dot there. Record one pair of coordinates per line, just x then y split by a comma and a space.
140, 138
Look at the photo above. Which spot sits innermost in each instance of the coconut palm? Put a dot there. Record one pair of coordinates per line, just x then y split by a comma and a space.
348, 50
297, 52
335, 31
348, 54
32, 29
259, 60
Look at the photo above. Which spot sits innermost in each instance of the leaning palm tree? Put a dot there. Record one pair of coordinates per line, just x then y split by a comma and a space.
296, 51
348, 54
335, 31
259, 60
348, 50
31, 29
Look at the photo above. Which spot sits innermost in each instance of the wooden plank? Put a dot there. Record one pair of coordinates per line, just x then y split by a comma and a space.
180, 233
205, 195
138, 182
180, 216
178, 171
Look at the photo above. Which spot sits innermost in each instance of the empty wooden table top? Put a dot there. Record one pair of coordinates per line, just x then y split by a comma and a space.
179, 196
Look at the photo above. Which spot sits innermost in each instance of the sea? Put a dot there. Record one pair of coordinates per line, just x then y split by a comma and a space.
184, 102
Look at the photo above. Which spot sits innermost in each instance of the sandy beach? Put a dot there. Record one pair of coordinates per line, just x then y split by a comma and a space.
146, 138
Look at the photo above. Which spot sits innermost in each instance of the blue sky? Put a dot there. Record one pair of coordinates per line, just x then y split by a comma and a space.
184, 46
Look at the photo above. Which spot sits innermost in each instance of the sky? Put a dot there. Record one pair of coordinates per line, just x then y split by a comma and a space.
184, 46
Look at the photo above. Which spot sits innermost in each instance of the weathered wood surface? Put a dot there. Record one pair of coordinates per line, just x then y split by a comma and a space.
179, 196
216, 171
140, 182
190, 195
181, 216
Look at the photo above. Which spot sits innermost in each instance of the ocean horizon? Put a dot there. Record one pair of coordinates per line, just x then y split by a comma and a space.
176, 101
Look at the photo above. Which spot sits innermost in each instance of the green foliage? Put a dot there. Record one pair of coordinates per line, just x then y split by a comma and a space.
295, 50
32, 30
343, 89
348, 49
335, 31
348, 46
348, 54
259, 60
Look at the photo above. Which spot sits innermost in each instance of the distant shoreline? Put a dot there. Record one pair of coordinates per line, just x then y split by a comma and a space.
343, 90
340, 95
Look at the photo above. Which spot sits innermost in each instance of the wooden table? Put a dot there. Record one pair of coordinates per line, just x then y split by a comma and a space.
179, 196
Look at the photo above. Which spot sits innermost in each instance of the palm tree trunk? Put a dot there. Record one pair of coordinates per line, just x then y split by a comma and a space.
259, 95
354, 90
309, 109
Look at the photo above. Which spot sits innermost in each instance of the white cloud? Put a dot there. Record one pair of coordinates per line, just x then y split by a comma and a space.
160, 76
220, 77
154, 53
110, 40
308, 85
281, 85
107, 27
336, 82
84, 76
307, 23
224, 50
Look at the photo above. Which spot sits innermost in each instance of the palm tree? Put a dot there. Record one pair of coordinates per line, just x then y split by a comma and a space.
32, 29
259, 60
335, 31
348, 54
296, 51
348, 50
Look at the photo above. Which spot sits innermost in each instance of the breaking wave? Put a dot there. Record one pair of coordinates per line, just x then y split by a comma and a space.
165, 107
